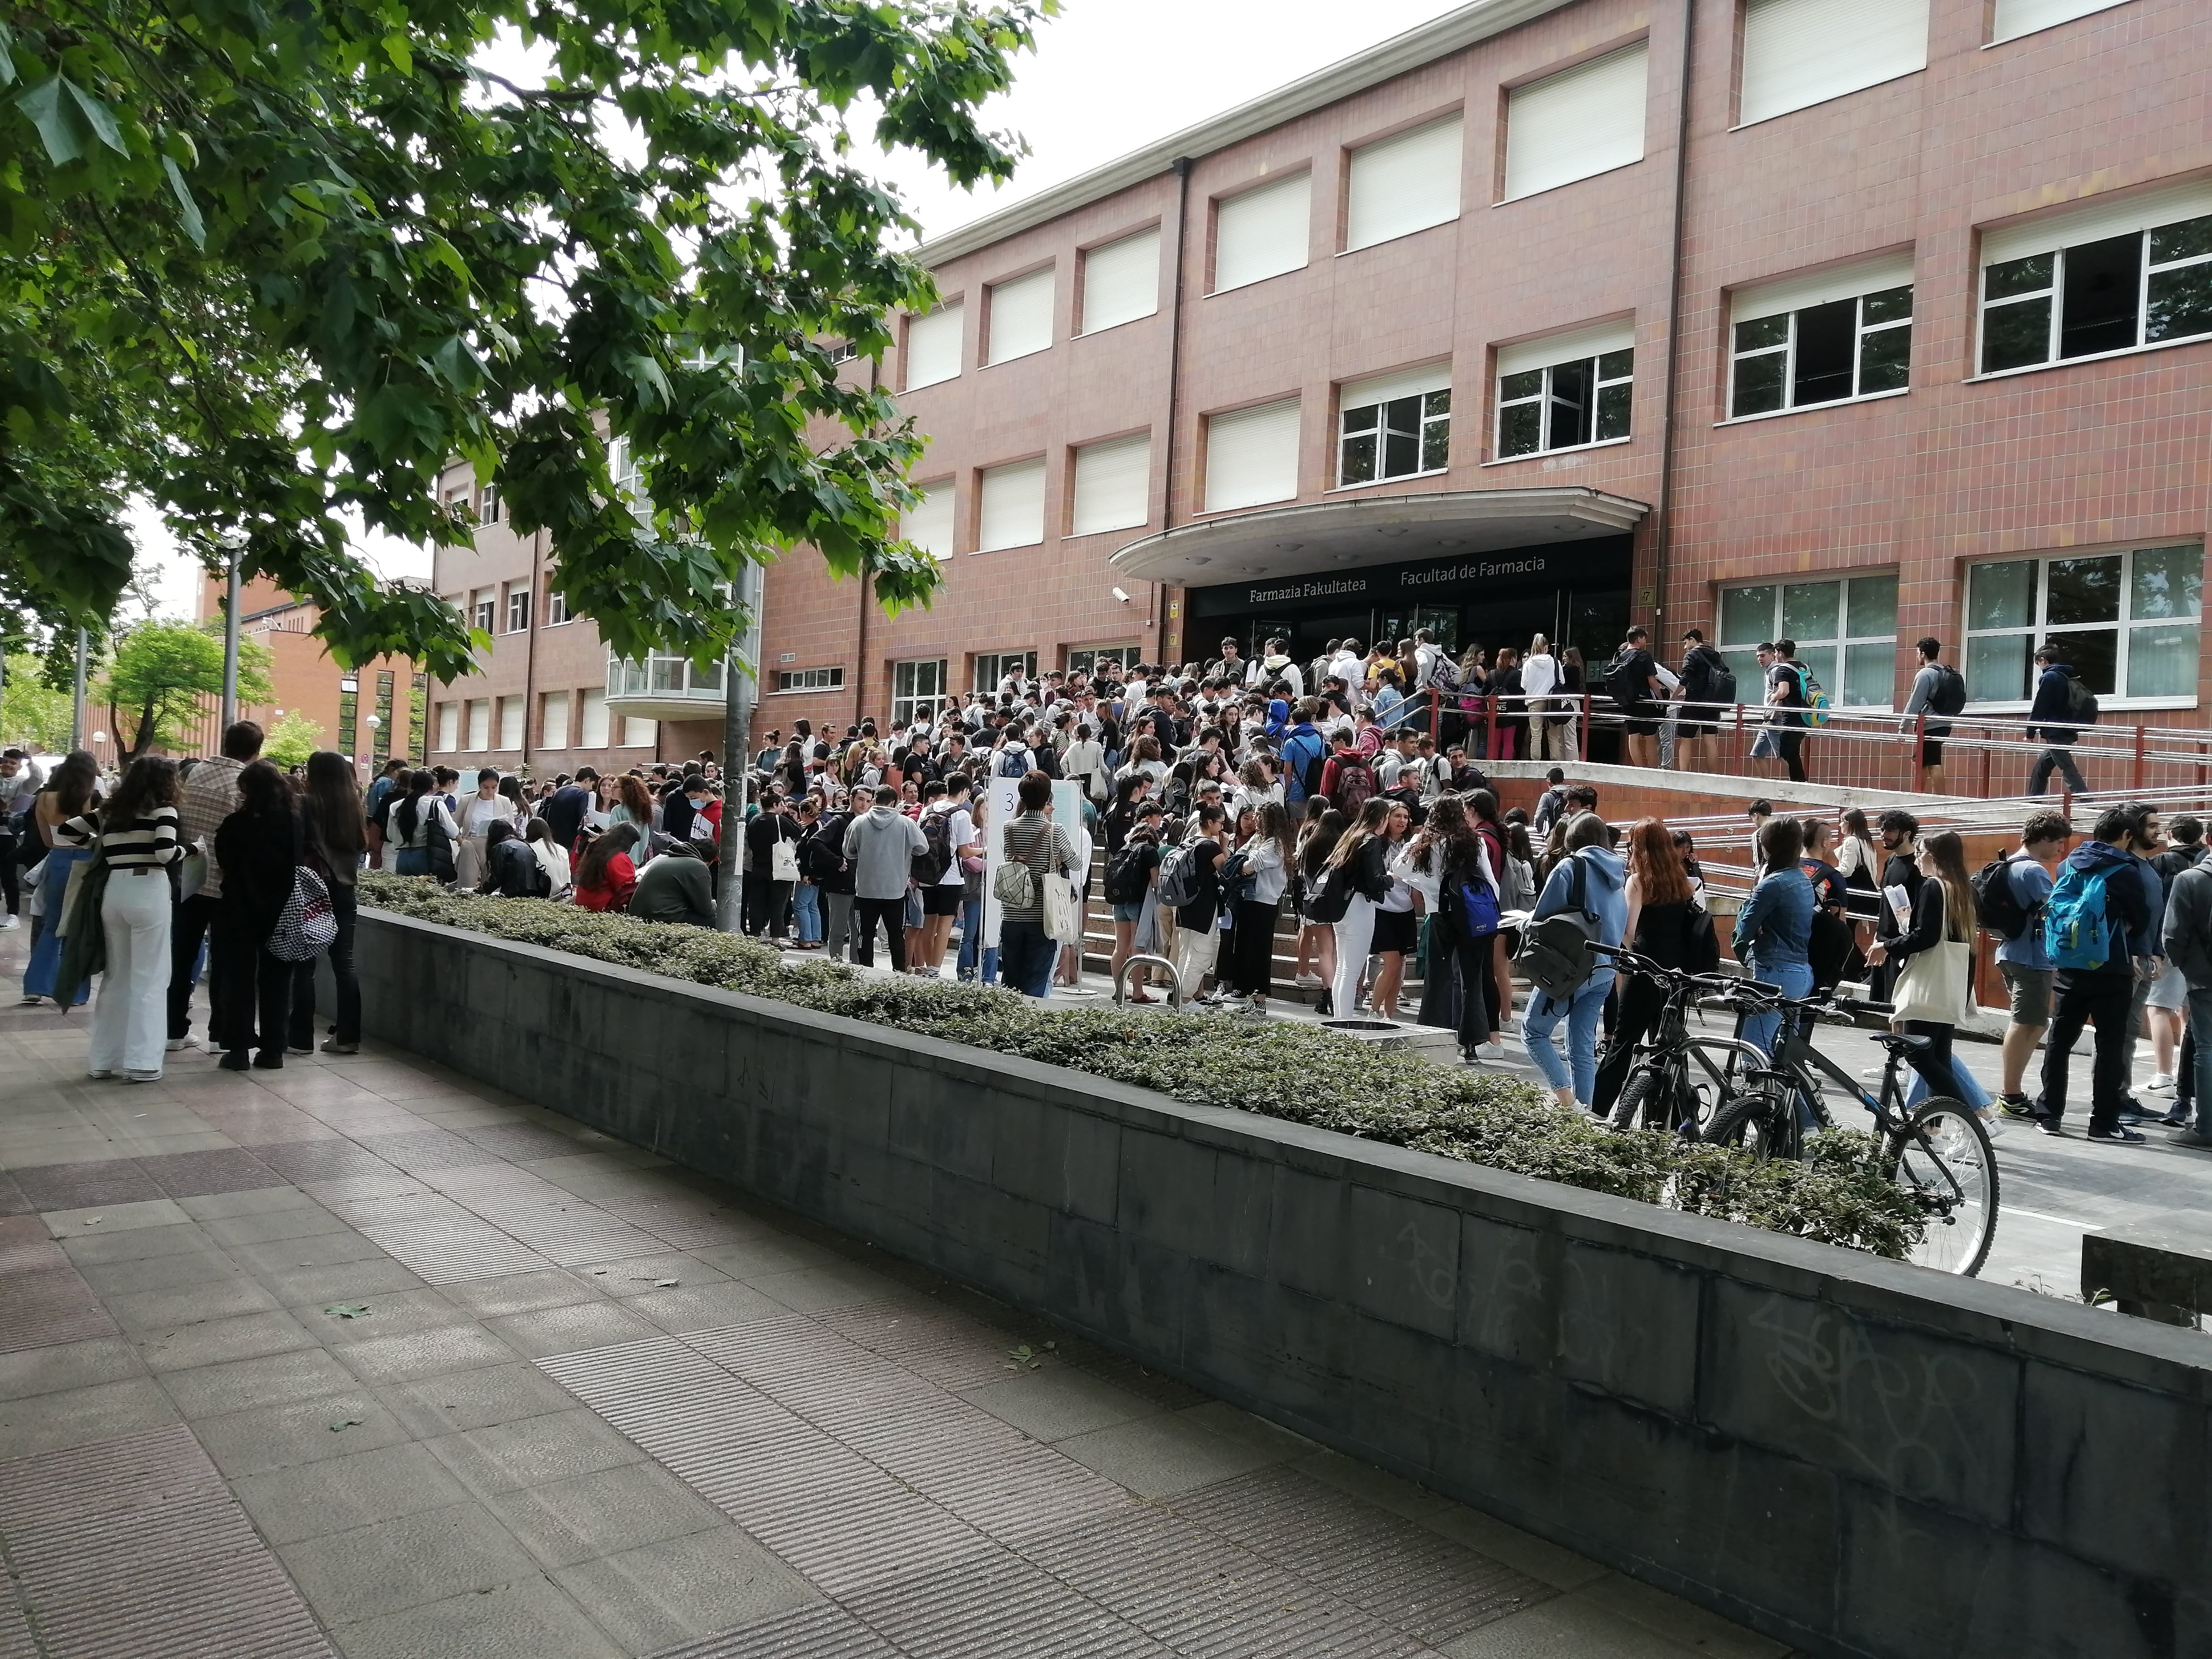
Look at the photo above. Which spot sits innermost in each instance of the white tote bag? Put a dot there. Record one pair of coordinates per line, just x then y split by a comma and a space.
1063, 916
1933, 986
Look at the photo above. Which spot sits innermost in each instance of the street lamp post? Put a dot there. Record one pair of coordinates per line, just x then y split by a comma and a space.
739, 689
76, 696
230, 645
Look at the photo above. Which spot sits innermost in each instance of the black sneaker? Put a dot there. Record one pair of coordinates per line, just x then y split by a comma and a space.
2051, 1127
2016, 1106
1324, 1007
2117, 1133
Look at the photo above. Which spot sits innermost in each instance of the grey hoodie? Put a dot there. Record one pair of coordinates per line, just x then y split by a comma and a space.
2188, 933
880, 845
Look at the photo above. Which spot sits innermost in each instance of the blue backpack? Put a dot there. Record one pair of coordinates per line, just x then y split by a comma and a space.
2077, 923
1478, 910
1302, 767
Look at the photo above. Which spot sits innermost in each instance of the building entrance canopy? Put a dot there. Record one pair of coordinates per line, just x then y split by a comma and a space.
1336, 539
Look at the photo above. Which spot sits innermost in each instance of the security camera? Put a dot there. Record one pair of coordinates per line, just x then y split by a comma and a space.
1121, 596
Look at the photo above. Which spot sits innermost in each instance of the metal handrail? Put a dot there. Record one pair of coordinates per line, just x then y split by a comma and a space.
1175, 979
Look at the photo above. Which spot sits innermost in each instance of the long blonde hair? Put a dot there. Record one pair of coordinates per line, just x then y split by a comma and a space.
1373, 815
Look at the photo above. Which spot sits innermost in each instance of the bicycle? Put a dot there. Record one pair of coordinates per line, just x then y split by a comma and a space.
1678, 1081
1938, 1151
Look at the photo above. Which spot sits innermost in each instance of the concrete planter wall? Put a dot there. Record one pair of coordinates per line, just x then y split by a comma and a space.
1853, 1455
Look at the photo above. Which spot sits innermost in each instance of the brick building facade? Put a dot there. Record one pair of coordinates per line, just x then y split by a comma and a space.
1900, 323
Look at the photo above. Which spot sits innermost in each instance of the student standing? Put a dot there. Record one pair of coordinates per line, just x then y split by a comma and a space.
258, 848
1362, 862
73, 790
136, 832
1593, 878
334, 828
2021, 960
2093, 928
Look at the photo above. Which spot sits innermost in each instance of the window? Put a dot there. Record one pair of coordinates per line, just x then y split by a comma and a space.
458, 501
928, 526
2129, 275
479, 725
841, 351
917, 690
1261, 232
418, 714
382, 737
483, 609
1086, 659
1012, 514
2017, 17
1580, 122
1120, 282
556, 606
518, 607
488, 512
991, 667
1821, 339
1113, 485
1021, 316
1801, 52
629, 481
1403, 184
1845, 632
639, 734
1393, 426
1567, 391
932, 347
1252, 456
2127, 622
449, 727
512, 713
591, 721
810, 679
348, 717
553, 720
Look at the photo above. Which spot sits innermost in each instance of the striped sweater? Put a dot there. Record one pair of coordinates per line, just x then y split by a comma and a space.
147, 842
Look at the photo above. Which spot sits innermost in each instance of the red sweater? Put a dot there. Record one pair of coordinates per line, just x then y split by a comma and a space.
622, 882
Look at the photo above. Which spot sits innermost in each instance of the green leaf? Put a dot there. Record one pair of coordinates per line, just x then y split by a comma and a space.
99, 119
401, 55
348, 1310
55, 115
344, 1423
195, 227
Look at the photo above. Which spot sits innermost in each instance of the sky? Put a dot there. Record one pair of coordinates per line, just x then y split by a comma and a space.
1109, 76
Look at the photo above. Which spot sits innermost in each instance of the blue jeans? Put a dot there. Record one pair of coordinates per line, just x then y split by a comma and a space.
970, 965
2200, 1034
1794, 979
806, 903
1582, 1015
1026, 955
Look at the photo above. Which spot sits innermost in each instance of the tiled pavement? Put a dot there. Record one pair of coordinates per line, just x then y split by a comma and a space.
355, 1358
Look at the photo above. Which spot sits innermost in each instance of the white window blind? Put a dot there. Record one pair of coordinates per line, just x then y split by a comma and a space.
929, 526
932, 347
1404, 183
1114, 484
1799, 52
1021, 316
1383, 388
556, 732
449, 727
2096, 220
2017, 17
479, 724
1592, 342
510, 722
594, 735
639, 734
1585, 120
1252, 456
1014, 507
1261, 232
1821, 288
1121, 282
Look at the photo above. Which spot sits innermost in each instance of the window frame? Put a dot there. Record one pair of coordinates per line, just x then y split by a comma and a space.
1427, 417
910, 670
519, 607
999, 659
1860, 329
833, 680
2040, 629
2053, 295
1126, 656
1751, 691
556, 606
1543, 397
483, 610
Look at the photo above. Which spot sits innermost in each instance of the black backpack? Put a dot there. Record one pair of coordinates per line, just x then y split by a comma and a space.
1949, 696
1720, 680
821, 855
2080, 700
1330, 900
1620, 687
928, 866
1996, 906
1126, 875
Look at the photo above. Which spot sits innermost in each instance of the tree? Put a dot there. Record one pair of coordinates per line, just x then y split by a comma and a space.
162, 672
33, 715
291, 740
267, 265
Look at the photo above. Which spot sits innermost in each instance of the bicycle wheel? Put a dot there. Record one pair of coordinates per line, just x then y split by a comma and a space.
1717, 1071
1942, 1157
1756, 1121
1639, 1096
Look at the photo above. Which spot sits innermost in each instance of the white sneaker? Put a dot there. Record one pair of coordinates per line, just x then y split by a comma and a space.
178, 1045
7, 922
1308, 981
2161, 1082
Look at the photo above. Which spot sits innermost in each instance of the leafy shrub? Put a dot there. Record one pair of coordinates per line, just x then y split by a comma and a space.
1297, 1072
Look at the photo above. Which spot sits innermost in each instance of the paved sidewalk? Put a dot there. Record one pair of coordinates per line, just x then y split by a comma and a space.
354, 1358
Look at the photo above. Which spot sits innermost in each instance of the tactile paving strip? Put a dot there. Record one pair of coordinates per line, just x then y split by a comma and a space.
12, 1200
1001, 1606
520, 1142
948, 1349
44, 1299
303, 1161
550, 1219
420, 1150
436, 1239
86, 1186
1207, 1597
216, 1169
822, 1631
134, 1546
1414, 1579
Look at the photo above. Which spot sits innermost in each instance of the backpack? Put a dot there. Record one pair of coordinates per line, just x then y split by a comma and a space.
1815, 700
1949, 696
1302, 774
1478, 910
1355, 783
1555, 955
1238, 880
1720, 680
1013, 762
1124, 875
1179, 877
1829, 949
928, 866
1331, 901
1701, 943
308, 924
2080, 700
1619, 687
1443, 674
1996, 906
2077, 923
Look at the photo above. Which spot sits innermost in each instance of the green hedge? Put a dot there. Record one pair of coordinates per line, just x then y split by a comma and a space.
1298, 1072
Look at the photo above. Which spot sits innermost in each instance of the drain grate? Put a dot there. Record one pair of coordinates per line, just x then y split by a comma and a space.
135, 1547
1414, 1579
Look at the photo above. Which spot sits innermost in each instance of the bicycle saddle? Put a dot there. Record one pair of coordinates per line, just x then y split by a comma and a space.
1897, 1043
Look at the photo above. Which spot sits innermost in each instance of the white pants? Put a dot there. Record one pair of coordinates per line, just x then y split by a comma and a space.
1195, 949
1353, 935
130, 1020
